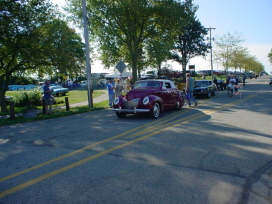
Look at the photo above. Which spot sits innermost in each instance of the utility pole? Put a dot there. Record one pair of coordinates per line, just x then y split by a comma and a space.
88, 63
210, 29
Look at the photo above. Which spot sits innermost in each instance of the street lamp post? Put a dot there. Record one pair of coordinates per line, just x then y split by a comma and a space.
210, 29
88, 61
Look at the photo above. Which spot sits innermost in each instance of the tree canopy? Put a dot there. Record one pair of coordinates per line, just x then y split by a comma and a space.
190, 43
34, 40
231, 54
270, 56
123, 29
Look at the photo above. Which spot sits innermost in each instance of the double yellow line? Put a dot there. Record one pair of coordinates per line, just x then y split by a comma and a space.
159, 126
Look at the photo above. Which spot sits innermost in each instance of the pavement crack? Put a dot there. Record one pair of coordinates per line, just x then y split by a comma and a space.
252, 179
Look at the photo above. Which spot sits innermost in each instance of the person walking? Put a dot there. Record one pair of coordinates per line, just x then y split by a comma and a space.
189, 89
231, 87
118, 88
227, 82
111, 93
244, 80
48, 99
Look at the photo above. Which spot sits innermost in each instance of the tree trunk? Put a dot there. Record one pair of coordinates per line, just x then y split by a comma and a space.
3, 88
134, 71
184, 72
3, 100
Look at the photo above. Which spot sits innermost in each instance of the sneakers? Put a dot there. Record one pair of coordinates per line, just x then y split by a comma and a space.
195, 103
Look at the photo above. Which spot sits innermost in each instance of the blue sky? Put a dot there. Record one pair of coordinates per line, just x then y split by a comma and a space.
251, 18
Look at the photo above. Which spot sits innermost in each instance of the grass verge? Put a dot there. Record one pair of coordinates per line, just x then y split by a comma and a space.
56, 114
74, 96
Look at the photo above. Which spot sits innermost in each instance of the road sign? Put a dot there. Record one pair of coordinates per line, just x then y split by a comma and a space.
121, 66
192, 67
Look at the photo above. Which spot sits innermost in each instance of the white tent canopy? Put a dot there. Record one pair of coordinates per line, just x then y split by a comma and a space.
118, 75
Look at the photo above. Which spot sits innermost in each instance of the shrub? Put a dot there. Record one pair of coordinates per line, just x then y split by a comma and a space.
28, 98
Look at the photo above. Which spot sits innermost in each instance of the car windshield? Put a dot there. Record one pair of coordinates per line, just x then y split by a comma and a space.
147, 84
201, 83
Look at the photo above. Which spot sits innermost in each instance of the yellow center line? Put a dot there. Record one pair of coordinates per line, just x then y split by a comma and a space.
79, 151
160, 123
189, 117
78, 163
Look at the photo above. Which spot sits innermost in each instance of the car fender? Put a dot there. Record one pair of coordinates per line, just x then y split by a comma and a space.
154, 99
181, 99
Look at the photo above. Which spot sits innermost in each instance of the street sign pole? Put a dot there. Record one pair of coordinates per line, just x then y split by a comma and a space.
88, 63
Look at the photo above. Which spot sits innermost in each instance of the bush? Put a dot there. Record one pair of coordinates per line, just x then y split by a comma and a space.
28, 98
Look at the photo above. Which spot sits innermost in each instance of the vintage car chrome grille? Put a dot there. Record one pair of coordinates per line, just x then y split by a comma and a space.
131, 104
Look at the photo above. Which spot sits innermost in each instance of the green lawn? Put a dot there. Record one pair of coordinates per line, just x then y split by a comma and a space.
74, 96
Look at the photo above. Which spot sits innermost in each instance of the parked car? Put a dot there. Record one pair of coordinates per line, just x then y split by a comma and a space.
205, 72
102, 83
152, 97
83, 83
204, 88
58, 90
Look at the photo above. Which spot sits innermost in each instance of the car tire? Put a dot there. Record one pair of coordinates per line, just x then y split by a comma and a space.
213, 93
155, 112
208, 95
120, 115
178, 106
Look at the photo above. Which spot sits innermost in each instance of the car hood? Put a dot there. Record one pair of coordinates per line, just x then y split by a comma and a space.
139, 93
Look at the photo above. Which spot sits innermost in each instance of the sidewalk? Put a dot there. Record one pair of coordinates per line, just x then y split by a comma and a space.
98, 99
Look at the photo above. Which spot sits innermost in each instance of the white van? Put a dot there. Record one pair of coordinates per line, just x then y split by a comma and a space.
151, 73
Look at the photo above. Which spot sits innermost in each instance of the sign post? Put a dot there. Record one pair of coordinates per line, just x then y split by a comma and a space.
192, 70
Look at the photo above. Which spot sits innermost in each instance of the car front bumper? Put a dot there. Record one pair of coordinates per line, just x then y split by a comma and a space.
132, 111
200, 93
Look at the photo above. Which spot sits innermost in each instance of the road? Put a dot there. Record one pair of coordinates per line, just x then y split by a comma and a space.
218, 152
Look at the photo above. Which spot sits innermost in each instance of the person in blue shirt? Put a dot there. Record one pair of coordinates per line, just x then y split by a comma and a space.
111, 93
47, 98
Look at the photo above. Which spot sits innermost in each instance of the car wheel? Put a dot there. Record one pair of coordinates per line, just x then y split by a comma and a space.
213, 93
155, 112
178, 106
120, 115
208, 95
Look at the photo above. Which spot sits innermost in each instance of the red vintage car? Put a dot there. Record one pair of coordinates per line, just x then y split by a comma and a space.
149, 96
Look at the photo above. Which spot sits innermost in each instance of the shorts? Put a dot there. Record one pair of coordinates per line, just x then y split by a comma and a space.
48, 101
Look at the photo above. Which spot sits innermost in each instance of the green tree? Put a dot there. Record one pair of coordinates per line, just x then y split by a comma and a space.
190, 43
270, 56
225, 47
33, 41
239, 58
123, 27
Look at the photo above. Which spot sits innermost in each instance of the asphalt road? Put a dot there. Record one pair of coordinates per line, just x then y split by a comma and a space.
218, 152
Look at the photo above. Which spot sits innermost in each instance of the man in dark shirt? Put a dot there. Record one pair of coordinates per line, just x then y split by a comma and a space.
47, 98
189, 89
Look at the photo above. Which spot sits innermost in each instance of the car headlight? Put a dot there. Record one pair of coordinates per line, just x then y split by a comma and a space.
146, 100
116, 101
